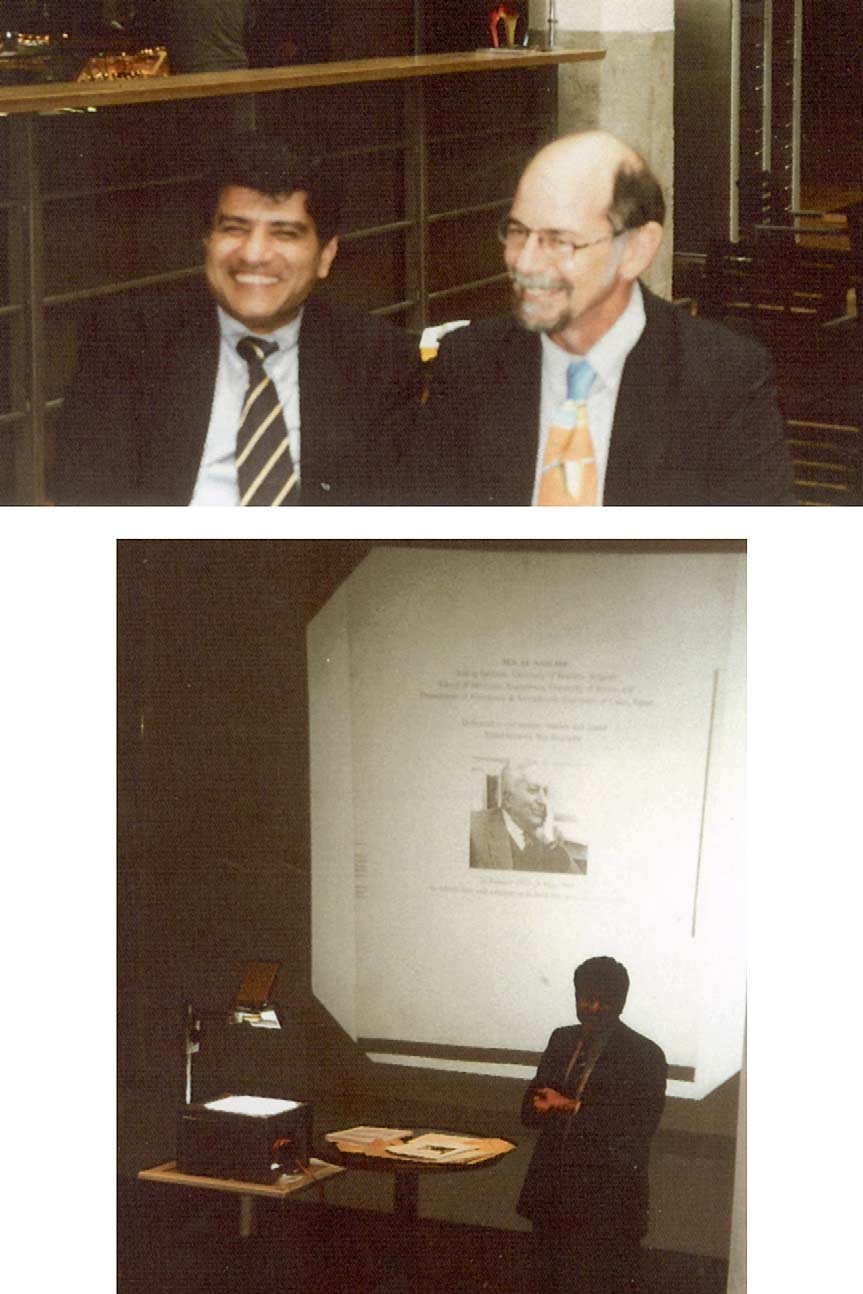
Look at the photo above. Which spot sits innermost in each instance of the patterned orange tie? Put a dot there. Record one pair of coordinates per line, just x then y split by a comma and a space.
569, 478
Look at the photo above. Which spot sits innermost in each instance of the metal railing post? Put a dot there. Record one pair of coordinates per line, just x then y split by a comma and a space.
29, 357
416, 200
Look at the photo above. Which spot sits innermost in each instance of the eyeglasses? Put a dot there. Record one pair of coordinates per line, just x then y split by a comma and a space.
557, 246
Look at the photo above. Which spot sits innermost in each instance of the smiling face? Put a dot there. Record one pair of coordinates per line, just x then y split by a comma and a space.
264, 257
569, 187
524, 795
555, 296
597, 1005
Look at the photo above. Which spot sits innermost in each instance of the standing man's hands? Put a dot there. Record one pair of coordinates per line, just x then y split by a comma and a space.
546, 1099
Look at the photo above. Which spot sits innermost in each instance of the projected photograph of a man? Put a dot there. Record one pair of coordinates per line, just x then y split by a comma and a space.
519, 830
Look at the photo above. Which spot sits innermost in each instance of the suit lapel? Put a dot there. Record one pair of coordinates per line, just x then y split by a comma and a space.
511, 396
315, 393
642, 415
202, 366
498, 840
325, 421
181, 418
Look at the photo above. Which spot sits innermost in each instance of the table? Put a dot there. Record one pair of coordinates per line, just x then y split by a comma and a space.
406, 1174
283, 1186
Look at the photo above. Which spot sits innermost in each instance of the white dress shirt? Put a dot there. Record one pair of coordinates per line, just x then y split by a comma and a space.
607, 357
515, 831
216, 485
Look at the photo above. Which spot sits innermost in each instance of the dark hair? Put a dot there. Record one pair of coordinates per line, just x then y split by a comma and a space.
604, 972
273, 166
637, 197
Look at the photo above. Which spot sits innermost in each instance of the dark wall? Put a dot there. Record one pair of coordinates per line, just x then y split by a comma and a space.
213, 770
832, 92
453, 25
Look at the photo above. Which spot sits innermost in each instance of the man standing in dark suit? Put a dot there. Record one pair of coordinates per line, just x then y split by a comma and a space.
597, 1099
243, 389
596, 392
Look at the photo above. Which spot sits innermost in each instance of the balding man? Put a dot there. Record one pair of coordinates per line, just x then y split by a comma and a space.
516, 836
595, 391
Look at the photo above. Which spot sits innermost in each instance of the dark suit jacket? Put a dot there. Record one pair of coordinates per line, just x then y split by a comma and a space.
697, 420
491, 845
589, 1170
134, 421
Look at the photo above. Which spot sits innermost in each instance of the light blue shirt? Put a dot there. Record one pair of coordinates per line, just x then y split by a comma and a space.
607, 358
216, 485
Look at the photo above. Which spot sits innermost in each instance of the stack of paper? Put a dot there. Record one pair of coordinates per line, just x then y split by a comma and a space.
363, 1136
437, 1147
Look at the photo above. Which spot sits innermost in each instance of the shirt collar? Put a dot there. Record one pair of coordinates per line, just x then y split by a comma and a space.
514, 830
608, 355
232, 330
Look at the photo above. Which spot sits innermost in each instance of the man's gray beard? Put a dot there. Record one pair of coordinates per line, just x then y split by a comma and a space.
559, 322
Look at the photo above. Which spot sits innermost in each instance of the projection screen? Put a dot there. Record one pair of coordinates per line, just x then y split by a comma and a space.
617, 680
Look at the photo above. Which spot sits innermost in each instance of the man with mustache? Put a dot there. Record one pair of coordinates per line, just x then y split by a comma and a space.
596, 1101
243, 389
595, 391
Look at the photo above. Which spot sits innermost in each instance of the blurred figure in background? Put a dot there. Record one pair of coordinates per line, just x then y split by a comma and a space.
223, 35
205, 35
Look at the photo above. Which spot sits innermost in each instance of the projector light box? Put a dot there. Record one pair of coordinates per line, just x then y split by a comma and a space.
239, 1136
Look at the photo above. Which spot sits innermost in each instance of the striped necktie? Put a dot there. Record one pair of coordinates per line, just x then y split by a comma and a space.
569, 468
265, 471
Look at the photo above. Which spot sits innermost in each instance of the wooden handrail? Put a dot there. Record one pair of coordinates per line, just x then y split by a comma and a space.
56, 97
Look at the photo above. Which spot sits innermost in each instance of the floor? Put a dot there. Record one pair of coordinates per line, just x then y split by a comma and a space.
170, 1238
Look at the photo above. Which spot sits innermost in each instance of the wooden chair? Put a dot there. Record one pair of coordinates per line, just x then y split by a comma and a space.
828, 462
821, 231
792, 299
772, 285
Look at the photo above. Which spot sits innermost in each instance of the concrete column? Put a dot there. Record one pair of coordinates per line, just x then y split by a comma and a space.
630, 92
